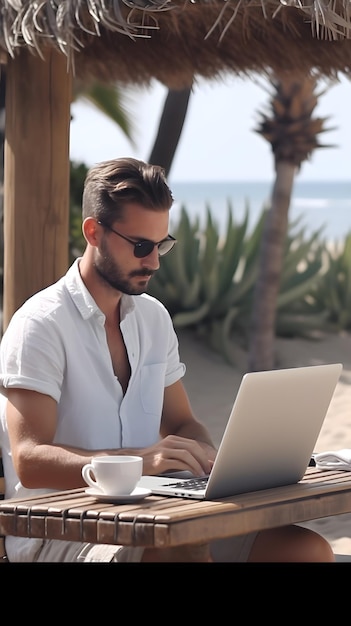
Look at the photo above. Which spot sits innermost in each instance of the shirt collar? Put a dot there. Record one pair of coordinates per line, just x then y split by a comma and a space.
83, 299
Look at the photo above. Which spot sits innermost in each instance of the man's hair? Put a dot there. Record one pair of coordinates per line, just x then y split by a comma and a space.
110, 185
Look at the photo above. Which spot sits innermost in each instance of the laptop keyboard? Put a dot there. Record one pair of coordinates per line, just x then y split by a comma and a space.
191, 484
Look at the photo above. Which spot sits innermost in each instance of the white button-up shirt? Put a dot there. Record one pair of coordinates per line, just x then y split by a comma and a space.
56, 344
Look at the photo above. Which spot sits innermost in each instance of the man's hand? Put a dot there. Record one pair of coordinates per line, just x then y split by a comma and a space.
175, 453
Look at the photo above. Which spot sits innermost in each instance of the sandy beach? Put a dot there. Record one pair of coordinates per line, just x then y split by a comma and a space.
212, 384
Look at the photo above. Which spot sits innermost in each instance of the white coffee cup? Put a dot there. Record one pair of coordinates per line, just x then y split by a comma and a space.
113, 475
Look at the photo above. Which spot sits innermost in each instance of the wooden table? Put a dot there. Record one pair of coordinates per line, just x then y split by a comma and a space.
159, 521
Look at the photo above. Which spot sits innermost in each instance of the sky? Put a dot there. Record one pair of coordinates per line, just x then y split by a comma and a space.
218, 141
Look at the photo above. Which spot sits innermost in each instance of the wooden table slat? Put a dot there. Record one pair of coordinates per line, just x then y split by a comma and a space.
160, 521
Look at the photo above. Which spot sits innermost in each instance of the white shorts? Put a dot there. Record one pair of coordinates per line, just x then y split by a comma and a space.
56, 551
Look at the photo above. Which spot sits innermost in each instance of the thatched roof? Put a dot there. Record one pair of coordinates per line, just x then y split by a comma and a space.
133, 41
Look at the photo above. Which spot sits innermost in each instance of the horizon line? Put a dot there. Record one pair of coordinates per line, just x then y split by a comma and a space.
252, 180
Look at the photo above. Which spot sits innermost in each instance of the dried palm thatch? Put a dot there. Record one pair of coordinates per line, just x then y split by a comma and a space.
133, 41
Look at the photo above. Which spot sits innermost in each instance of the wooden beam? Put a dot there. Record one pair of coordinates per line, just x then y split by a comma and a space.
36, 175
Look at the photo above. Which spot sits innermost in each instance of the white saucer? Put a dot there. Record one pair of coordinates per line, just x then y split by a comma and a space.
138, 494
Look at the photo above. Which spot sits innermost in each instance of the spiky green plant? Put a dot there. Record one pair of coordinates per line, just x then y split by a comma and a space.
333, 292
206, 275
78, 172
207, 281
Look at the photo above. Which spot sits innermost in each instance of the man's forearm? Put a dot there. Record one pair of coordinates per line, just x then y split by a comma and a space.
198, 432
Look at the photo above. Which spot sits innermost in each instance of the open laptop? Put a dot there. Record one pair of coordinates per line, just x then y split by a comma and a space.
270, 436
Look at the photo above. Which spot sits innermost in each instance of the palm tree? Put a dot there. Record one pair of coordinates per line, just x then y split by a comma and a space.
293, 134
170, 128
111, 100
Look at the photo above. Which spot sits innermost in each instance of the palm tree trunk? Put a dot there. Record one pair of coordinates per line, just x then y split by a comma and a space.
262, 335
170, 128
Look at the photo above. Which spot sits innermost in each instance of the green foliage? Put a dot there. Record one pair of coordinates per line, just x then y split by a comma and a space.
207, 283
205, 277
111, 100
78, 172
297, 312
333, 293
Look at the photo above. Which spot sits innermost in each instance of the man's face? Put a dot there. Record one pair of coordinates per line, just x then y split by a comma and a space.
115, 261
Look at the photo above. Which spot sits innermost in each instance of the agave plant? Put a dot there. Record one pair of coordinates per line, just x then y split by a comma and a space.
206, 275
302, 273
207, 283
333, 292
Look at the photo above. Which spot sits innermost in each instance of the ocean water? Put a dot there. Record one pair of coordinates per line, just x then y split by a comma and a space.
319, 204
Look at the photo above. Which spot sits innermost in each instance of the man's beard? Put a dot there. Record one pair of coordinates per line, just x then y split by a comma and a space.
111, 274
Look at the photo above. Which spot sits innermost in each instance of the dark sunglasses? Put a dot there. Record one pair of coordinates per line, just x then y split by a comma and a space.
144, 248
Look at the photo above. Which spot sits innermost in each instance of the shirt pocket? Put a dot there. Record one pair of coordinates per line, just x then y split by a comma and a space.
152, 385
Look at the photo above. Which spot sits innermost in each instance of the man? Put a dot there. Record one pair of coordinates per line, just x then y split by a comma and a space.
90, 366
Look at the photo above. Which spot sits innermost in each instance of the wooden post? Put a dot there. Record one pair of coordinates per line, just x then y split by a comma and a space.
36, 175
